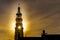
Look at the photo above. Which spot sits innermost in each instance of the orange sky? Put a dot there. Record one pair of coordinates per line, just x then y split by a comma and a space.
37, 15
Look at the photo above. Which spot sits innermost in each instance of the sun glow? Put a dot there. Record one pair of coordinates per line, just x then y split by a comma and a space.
13, 26
24, 27
19, 27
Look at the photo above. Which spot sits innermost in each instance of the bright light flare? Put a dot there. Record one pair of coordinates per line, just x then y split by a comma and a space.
24, 27
19, 27
13, 26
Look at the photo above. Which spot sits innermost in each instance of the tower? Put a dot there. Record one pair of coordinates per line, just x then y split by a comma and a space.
19, 27
44, 35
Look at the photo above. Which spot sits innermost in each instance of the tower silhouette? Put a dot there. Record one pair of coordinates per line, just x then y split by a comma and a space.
19, 27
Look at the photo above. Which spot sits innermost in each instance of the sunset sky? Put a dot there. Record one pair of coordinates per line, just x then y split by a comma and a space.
37, 15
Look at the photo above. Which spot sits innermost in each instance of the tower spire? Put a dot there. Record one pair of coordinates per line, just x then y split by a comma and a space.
19, 7
19, 27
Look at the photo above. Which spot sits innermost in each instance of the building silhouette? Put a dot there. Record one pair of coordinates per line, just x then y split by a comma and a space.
19, 27
19, 31
46, 36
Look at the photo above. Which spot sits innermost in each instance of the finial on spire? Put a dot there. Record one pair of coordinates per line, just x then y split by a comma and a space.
19, 7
